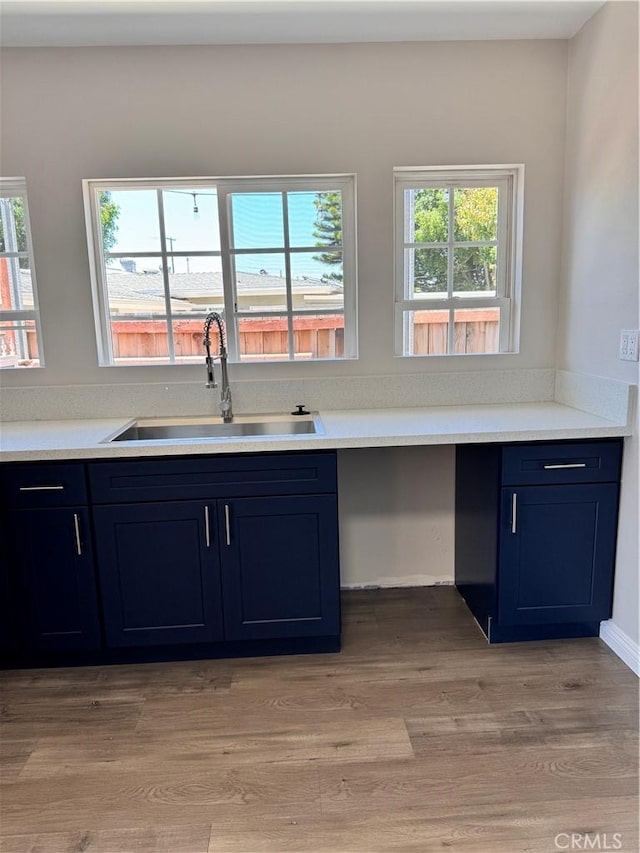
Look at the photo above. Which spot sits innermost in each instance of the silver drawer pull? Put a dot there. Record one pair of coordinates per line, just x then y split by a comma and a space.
76, 525
41, 488
565, 465
207, 529
227, 523
514, 512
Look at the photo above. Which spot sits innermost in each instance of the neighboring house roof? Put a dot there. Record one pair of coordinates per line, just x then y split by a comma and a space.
200, 289
150, 285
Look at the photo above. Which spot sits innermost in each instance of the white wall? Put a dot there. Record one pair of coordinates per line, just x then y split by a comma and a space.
69, 114
396, 516
599, 292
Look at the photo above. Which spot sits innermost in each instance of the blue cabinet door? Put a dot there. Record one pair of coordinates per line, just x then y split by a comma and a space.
280, 567
51, 553
557, 549
159, 573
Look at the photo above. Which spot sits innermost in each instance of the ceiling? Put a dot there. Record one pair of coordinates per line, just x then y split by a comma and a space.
159, 22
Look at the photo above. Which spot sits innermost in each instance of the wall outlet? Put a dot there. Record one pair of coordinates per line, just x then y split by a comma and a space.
628, 345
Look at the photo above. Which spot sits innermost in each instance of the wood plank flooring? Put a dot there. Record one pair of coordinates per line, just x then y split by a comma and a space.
417, 737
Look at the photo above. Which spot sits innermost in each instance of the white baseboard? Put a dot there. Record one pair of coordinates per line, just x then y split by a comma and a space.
621, 644
397, 583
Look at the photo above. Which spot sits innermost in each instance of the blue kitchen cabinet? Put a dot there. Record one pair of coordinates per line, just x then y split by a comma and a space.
218, 548
557, 548
48, 567
280, 575
158, 558
159, 573
56, 583
535, 537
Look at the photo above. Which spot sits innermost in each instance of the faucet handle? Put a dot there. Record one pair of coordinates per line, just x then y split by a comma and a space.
300, 410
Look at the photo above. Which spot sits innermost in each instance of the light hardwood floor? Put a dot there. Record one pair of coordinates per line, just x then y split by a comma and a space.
417, 737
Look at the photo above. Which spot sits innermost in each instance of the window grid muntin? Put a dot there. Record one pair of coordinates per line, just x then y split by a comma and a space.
286, 250
287, 273
344, 183
451, 244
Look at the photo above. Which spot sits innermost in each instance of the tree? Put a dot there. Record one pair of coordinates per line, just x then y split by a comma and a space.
14, 209
477, 220
109, 213
476, 216
16, 205
328, 231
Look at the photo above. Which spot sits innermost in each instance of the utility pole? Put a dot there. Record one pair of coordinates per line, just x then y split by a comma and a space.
171, 241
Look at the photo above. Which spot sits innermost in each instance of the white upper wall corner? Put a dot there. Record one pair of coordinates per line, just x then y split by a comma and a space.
75, 23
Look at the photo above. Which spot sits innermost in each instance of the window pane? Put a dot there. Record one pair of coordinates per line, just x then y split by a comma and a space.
316, 284
318, 337
16, 287
13, 236
427, 270
315, 219
129, 220
137, 311
476, 330
19, 344
196, 292
188, 340
266, 338
256, 220
139, 339
135, 285
260, 282
263, 338
476, 214
427, 332
191, 220
426, 218
474, 270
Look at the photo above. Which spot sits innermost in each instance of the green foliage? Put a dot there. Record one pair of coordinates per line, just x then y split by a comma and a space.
17, 207
109, 213
476, 218
18, 218
431, 216
328, 230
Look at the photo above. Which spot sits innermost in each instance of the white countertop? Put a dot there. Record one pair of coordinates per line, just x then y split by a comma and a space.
85, 439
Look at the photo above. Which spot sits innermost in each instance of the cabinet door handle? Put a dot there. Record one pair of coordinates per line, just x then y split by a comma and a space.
514, 512
565, 465
41, 488
76, 528
227, 524
207, 528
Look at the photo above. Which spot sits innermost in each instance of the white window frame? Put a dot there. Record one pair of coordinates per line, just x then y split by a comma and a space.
17, 188
510, 180
225, 187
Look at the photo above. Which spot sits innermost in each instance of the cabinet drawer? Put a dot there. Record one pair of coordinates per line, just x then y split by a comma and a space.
548, 464
212, 476
43, 485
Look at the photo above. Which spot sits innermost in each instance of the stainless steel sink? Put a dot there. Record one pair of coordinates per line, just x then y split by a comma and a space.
176, 429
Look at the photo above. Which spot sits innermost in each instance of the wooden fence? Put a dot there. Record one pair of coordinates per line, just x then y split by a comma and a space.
145, 341
262, 338
475, 331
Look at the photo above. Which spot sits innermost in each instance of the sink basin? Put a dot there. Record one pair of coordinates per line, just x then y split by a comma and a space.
176, 429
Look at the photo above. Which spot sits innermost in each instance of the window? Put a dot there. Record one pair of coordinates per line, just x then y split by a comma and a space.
458, 236
275, 255
20, 334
